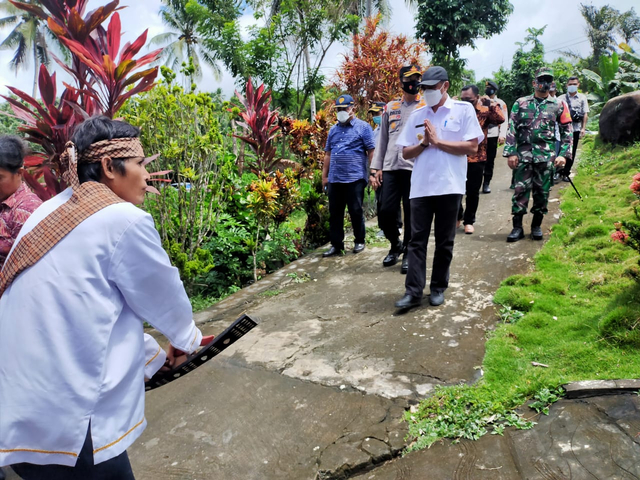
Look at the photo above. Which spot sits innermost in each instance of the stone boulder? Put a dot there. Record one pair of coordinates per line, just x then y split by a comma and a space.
620, 119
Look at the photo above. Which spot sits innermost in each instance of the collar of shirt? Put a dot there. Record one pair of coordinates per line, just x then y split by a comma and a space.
15, 197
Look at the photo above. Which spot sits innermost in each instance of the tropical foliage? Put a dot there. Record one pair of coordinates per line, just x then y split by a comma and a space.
616, 78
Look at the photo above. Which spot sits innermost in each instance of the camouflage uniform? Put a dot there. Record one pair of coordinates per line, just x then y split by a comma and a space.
532, 137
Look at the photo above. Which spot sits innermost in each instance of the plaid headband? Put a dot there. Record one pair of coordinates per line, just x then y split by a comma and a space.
115, 148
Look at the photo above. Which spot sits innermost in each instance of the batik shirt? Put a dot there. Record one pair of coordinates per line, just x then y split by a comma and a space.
349, 145
487, 115
532, 130
14, 211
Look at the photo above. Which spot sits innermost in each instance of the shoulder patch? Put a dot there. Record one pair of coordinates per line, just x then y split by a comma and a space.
395, 105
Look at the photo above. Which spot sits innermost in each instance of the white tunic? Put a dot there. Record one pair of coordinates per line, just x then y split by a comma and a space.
436, 172
71, 337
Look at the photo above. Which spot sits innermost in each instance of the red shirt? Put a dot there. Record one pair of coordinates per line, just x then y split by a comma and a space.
14, 211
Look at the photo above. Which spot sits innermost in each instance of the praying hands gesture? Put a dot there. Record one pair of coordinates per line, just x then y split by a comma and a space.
430, 134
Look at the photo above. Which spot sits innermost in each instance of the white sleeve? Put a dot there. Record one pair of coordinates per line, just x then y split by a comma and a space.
151, 286
407, 136
586, 104
472, 127
154, 356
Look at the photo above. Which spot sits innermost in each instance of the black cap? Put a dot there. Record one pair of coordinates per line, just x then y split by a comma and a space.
433, 76
492, 84
410, 70
377, 107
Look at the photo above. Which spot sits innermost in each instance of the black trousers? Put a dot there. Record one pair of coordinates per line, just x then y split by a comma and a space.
570, 160
474, 182
492, 149
379, 208
442, 211
117, 468
397, 185
350, 195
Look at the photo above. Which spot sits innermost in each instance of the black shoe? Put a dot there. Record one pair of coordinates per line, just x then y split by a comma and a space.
536, 233
566, 178
436, 298
333, 251
556, 179
358, 247
486, 188
391, 259
405, 264
516, 234
408, 302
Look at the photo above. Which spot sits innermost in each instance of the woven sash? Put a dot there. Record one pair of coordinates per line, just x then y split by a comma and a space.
87, 199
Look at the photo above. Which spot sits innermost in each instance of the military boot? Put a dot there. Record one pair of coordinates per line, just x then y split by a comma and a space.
517, 233
536, 231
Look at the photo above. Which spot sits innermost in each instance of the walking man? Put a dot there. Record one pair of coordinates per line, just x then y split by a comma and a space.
579, 111
348, 153
496, 134
530, 150
390, 171
488, 112
438, 137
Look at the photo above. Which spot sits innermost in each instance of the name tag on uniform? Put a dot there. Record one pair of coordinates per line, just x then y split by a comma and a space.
395, 117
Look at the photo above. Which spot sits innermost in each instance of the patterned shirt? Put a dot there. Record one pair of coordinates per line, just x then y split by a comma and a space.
532, 130
349, 145
500, 130
14, 211
488, 113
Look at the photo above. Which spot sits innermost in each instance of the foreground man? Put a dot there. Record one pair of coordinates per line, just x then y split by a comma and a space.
530, 149
390, 171
86, 271
348, 153
439, 137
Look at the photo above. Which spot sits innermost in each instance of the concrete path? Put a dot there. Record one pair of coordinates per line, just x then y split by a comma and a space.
318, 390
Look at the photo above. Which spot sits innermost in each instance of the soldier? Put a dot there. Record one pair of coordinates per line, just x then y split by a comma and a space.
530, 149
391, 171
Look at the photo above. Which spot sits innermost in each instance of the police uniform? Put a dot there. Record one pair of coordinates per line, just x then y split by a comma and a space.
532, 137
396, 171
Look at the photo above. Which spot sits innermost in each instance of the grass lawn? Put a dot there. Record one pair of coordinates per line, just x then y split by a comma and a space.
578, 312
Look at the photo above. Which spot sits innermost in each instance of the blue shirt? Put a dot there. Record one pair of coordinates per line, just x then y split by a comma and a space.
349, 144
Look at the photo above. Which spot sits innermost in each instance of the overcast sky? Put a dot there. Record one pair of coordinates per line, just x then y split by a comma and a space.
565, 31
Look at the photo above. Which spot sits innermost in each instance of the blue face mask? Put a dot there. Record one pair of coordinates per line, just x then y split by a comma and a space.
377, 120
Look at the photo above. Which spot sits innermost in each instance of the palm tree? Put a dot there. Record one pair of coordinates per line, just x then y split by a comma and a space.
27, 38
601, 25
629, 26
184, 42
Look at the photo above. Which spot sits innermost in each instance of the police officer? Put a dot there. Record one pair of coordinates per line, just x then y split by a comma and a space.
530, 150
390, 170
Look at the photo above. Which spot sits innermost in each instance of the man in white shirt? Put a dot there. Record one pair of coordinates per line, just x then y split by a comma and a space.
85, 272
439, 137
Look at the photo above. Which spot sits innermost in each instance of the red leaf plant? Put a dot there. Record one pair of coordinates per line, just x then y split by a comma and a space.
261, 127
103, 72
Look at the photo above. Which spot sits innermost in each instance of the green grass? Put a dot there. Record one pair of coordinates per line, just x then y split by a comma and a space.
578, 312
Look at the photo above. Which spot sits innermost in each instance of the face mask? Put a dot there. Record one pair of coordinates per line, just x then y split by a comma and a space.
343, 116
410, 87
377, 120
489, 91
544, 86
472, 101
432, 97
572, 88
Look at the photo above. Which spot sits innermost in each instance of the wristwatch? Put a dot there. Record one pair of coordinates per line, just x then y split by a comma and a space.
372, 173
423, 145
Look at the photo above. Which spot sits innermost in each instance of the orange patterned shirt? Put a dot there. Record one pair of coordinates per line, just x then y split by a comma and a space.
488, 113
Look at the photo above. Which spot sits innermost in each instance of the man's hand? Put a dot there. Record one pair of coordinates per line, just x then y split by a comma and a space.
582, 132
325, 181
374, 182
512, 161
501, 140
560, 162
379, 177
430, 135
177, 357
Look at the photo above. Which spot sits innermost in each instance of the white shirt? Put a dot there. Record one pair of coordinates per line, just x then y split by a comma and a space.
436, 172
71, 337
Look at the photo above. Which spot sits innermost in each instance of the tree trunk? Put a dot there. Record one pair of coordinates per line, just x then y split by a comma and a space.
369, 11
312, 97
35, 69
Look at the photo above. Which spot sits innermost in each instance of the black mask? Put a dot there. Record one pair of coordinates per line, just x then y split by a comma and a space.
472, 101
544, 86
410, 87
490, 91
